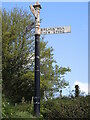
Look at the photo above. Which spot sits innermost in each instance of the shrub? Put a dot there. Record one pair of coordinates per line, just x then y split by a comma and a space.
7, 109
65, 108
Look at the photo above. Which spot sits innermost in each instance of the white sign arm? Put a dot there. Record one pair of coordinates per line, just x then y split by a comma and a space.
56, 30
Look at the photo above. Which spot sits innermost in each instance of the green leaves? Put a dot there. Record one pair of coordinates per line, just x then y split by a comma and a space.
18, 59
15, 50
65, 108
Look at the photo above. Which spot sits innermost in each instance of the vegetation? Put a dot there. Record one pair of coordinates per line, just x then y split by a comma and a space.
66, 108
18, 59
51, 109
77, 91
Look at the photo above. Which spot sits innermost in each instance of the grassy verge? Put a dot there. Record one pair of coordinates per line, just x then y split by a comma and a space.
51, 109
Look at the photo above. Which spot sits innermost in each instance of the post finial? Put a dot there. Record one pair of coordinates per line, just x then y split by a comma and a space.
37, 4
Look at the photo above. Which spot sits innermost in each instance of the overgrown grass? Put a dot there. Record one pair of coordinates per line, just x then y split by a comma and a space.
51, 109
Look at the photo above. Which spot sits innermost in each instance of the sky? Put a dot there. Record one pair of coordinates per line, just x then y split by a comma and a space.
45, 0
70, 49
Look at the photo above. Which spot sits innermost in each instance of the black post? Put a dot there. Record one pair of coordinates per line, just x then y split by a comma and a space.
37, 75
35, 9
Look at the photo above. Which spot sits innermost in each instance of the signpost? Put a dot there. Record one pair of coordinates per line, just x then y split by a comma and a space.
56, 30
35, 9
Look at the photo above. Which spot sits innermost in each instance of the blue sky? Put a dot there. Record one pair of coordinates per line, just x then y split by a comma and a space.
70, 49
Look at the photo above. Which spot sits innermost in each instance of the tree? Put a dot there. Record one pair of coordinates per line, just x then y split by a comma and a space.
16, 47
77, 91
18, 59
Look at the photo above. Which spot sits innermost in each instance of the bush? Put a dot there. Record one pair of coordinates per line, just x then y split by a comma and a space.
51, 109
65, 108
7, 109
22, 110
18, 111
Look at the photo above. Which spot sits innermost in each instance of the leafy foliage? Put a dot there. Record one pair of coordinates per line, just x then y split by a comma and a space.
65, 108
7, 110
15, 50
18, 59
20, 111
51, 109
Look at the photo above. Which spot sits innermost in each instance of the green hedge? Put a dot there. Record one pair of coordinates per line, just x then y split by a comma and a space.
65, 108
50, 110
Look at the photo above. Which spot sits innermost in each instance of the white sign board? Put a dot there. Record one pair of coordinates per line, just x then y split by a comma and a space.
56, 30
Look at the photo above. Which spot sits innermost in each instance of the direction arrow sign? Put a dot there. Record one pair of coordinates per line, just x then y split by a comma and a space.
56, 30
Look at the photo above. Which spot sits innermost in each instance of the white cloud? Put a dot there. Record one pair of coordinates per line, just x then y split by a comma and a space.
83, 86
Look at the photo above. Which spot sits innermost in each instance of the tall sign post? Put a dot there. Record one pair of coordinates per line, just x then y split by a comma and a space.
35, 9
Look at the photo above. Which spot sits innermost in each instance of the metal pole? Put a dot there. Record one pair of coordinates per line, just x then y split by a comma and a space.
37, 60
37, 76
